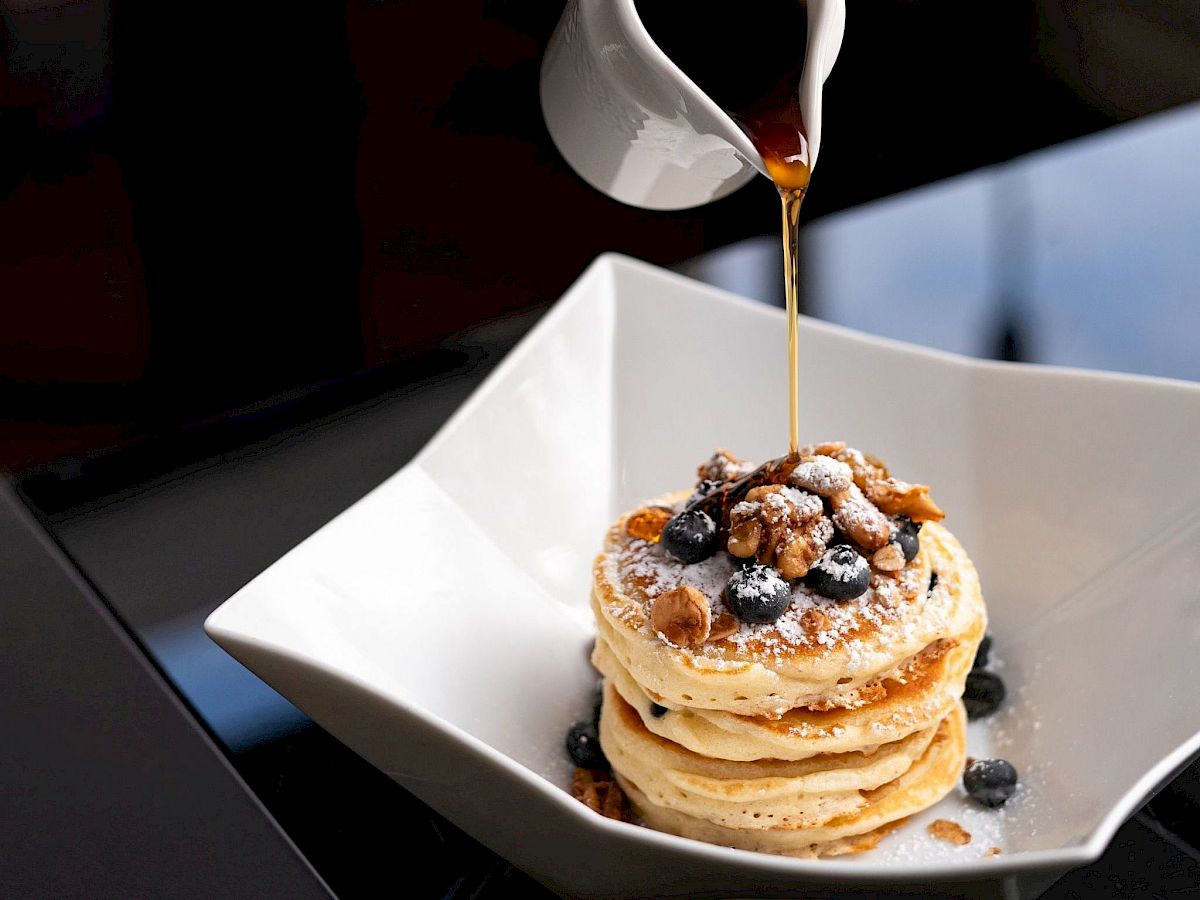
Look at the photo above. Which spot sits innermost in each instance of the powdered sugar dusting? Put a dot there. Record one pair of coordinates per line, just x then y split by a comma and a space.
823, 475
842, 569
854, 513
811, 621
653, 570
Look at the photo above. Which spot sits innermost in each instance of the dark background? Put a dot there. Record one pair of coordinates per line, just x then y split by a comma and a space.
208, 212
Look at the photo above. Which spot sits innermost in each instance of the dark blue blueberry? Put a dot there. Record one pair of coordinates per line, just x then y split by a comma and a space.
905, 535
990, 781
703, 489
981, 655
583, 744
841, 574
984, 694
757, 594
690, 536
657, 711
933, 580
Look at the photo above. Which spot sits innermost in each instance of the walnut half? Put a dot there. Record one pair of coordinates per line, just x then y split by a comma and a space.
779, 526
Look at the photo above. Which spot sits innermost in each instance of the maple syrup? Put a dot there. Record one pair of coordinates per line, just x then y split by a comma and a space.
647, 524
751, 65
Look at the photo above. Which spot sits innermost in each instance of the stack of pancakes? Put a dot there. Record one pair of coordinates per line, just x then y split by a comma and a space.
810, 736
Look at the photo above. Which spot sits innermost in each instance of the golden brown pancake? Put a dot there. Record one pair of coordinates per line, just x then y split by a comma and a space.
929, 779
818, 653
812, 735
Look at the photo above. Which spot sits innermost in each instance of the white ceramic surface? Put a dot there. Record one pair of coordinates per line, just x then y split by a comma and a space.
440, 625
636, 127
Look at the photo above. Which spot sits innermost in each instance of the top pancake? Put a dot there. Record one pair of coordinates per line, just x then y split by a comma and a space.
820, 652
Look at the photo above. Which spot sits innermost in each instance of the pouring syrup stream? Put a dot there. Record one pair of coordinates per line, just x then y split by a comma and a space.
762, 93
781, 140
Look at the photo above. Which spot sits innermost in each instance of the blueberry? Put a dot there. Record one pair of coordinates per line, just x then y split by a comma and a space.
657, 711
933, 580
905, 535
757, 594
841, 574
984, 694
703, 489
981, 655
583, 744
990, 781
690, 536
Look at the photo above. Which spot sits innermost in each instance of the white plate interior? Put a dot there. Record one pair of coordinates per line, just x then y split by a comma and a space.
459, 587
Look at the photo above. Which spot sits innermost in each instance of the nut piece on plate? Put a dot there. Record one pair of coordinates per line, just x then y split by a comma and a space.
599, 791
780, 526
860, 520
949, 831
681, 615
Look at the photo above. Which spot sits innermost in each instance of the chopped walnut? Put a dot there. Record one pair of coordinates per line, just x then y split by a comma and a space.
860, 520
723, 626
888, 558
829, 448
798, 555
865, 468
814, 621
682, 616
951, 832
723, 466
780, 526
598, 791
899, 498
886, 586
822, 475
992, 851
891, 495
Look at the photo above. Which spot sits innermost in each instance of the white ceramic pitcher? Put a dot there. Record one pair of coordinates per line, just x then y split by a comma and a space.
636, 127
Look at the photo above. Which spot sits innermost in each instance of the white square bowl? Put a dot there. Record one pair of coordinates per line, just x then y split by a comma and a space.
440, 626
